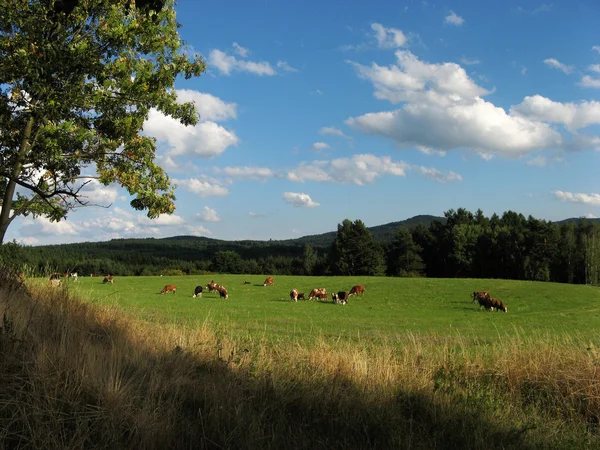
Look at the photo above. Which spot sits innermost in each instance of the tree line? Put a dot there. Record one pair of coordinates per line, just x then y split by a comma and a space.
464, 245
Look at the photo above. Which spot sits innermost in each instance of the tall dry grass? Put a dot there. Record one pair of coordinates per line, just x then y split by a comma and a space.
78, 376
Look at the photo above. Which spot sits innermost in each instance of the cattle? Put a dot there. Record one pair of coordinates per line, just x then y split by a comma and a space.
315, 293
301, 295
55, 276
108, 279
497, 303
223, 292
212, 286
269, 282
341, 297
73, 275
169, 288
485, 302
356, 290
480, 294
55, 282
322, 296
294, 295
198, 292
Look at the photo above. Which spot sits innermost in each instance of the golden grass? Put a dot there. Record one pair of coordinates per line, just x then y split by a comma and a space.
79, 376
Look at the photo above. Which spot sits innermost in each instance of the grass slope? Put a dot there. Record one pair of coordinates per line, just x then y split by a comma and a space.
391, 307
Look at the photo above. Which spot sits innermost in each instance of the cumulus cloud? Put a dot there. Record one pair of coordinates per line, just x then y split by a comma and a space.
454, 19
299, 200
202, 188
285, 66
590, 216
319, 146
444, 109
41, 226
594, 68
197, 230
436, 175
574, 116
97, 194
239, 50
591, 82
469, 61
208, 215
332, 131
554, 63
247, 172
586, 199
206, 139
388, 37
226, 64
538, 161
162, 220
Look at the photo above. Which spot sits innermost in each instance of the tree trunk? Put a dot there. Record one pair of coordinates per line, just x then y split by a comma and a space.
7, 201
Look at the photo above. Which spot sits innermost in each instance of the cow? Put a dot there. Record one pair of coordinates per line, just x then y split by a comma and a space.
315, 293
341, 297
73, 275
356, 290
270, 281
55, 282
322, 296
197, 292
223, 292
108, 279
212, 286
480, 294
55, 276
485, 302
294, 295
301, 295
169, 288
497, 303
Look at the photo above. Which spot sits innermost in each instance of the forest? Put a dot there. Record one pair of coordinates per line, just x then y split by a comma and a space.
460, 244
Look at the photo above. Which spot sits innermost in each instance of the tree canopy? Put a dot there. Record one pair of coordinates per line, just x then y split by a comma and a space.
78, 79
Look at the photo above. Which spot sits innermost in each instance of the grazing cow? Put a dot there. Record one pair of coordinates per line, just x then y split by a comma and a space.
198, 292
108, 279
169, 288
497, 303
301, 295
480, 294
212, 286
356, 290
341, 297
322, 296
223, 292
486, 303
55, 276
315, 293
294, 295
55, 282
269, 282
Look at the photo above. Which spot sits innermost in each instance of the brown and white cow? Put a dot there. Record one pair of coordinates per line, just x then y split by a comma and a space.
486, 302
301, 296
480, 294
223, 292
294, 295
212, 286
169, 288
356, 290
341, 297
270, 281
55, 276
108, 279
497, 303
315, 293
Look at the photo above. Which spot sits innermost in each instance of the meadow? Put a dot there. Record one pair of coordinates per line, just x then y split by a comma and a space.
391, 308
411, 365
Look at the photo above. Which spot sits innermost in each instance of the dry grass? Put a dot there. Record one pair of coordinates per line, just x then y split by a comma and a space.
75, 376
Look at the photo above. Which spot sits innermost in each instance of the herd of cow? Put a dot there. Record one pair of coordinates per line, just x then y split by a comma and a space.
340, 297
489, 303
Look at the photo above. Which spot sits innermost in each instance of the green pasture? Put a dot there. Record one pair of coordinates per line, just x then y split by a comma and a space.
391, 308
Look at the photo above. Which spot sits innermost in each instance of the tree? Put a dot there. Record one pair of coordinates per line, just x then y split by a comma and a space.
77, 81
354, 252
309, 259
228, 261
403, 257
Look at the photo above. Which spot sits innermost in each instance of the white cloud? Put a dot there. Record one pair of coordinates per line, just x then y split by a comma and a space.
239, 50
247, 172
596, 48
388, 37
587, 199
468, 61
29, 241
162, 220
43, 227
97, 194
319, 146
332, 131
299, 200
202, 188
590, 216
316, 91
594, 68
256, 214
285, 66
573, 115
454, 19
436, 175
208, 215
206, 139
587, 81
554, 63
538, 161
197, 230
430, 151
227, 64
444, 110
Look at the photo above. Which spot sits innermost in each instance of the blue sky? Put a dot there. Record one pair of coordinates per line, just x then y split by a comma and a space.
313, 112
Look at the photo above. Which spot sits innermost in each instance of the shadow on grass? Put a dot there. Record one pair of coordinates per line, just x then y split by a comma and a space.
96, 387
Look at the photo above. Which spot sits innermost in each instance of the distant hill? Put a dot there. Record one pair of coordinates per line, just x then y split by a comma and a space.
578, 219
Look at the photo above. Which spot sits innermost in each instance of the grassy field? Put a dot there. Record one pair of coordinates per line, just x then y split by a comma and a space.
390, 309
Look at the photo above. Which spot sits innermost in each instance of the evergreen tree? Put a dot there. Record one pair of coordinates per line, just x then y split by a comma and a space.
403, 258
354, 252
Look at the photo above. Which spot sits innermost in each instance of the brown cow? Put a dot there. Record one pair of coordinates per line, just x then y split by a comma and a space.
212, 286
497, 303
294, 295
322, 296
485, 302
301, 295
169, 288
480, 294
223, 292
341, 297
269, 282
108, 279
356, 290
315, 293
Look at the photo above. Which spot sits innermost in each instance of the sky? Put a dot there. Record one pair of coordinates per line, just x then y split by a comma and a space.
317, 111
